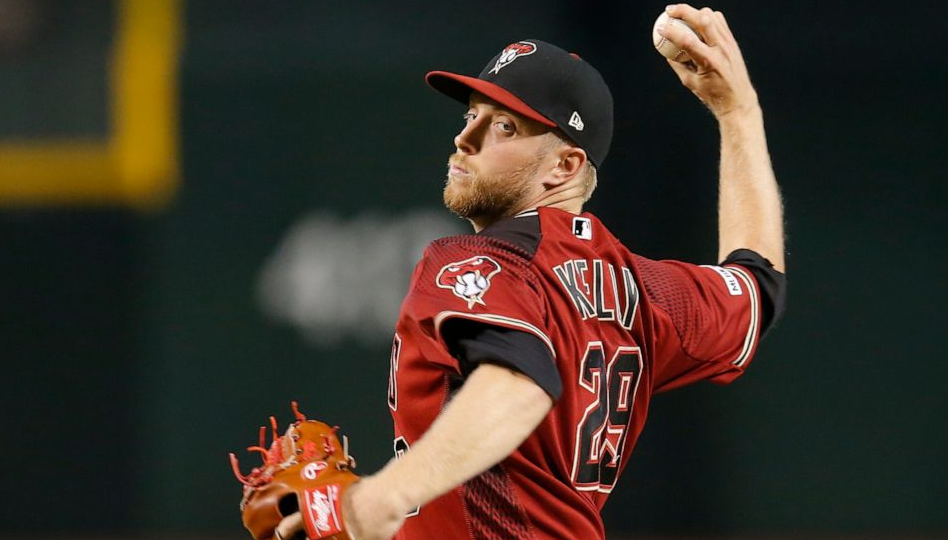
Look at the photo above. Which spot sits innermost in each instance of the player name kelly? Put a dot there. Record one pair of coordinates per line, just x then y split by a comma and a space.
595, 302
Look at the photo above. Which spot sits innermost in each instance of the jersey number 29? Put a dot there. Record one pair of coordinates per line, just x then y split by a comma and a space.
601, 433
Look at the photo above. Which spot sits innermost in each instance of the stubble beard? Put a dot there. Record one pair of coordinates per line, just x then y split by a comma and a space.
488, 197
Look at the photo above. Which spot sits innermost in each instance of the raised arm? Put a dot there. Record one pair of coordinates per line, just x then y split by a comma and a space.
750, 212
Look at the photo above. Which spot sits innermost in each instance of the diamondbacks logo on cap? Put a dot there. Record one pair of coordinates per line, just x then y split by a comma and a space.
468, 279
511, 53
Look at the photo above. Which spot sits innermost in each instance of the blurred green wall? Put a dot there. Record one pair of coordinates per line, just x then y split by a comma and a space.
138, 354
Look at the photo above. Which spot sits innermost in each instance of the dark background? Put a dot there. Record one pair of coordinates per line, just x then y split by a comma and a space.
137, 352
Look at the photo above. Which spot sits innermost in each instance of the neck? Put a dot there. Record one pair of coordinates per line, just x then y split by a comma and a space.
568, 197
569, 202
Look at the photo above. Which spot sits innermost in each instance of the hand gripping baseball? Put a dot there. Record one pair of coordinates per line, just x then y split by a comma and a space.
304, 475
716, 73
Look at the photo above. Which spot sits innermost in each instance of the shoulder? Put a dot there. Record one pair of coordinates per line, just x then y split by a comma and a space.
521, 232
504, 251
514, 240
517, 240
528, 229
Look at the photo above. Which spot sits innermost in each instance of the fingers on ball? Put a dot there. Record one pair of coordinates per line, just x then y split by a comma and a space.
708, 27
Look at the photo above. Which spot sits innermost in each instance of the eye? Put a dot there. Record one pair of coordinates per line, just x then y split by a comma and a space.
468, 117
506, 127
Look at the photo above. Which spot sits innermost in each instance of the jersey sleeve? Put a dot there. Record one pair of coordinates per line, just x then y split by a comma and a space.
771, 283
479, 301
707, 320
473, 343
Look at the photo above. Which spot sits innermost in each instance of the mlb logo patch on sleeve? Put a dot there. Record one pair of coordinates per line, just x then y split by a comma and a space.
733, 285
582, 228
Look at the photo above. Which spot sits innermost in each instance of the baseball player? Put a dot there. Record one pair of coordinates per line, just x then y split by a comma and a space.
526, 354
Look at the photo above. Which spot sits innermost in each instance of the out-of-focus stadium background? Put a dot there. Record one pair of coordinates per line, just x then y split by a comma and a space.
210, 208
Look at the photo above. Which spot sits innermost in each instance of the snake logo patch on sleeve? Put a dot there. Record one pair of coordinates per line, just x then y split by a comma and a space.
469, 279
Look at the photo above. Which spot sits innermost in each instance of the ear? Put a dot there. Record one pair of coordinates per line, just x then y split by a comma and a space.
569, 162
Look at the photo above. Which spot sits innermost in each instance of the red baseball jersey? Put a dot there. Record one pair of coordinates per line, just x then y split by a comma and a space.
617, 326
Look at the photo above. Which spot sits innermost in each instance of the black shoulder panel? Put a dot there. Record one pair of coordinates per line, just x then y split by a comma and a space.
474, 343
523, 232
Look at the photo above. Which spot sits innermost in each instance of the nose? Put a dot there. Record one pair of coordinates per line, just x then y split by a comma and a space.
461, 143
468, 140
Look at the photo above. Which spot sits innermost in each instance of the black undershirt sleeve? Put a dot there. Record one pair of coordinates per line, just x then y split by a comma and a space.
773, 285
473, 343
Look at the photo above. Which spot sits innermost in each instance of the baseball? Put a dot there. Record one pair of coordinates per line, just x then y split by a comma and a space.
667, 48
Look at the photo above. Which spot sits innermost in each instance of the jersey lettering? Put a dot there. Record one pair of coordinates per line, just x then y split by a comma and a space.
567, 274
601, 433
602, 313
596, 303
631, 298
393, 373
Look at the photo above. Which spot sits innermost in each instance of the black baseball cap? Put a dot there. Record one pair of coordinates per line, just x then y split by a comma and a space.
547, 84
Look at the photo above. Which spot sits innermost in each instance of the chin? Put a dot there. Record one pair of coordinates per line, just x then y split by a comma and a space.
454, 202
480, 198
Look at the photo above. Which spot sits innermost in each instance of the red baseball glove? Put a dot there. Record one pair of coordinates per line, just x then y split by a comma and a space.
306, 470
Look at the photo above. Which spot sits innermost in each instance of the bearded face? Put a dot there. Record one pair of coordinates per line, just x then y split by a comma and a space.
490, 196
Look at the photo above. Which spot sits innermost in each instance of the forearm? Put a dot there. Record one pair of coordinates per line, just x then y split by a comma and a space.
491, 415
750, 211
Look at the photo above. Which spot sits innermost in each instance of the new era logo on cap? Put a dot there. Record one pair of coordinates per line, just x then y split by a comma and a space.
576, 121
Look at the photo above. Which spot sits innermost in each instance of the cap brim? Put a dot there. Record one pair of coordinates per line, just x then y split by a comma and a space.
459, 87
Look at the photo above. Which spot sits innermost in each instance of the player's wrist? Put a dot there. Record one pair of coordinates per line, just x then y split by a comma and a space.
746, 113
368, 511
384, 497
